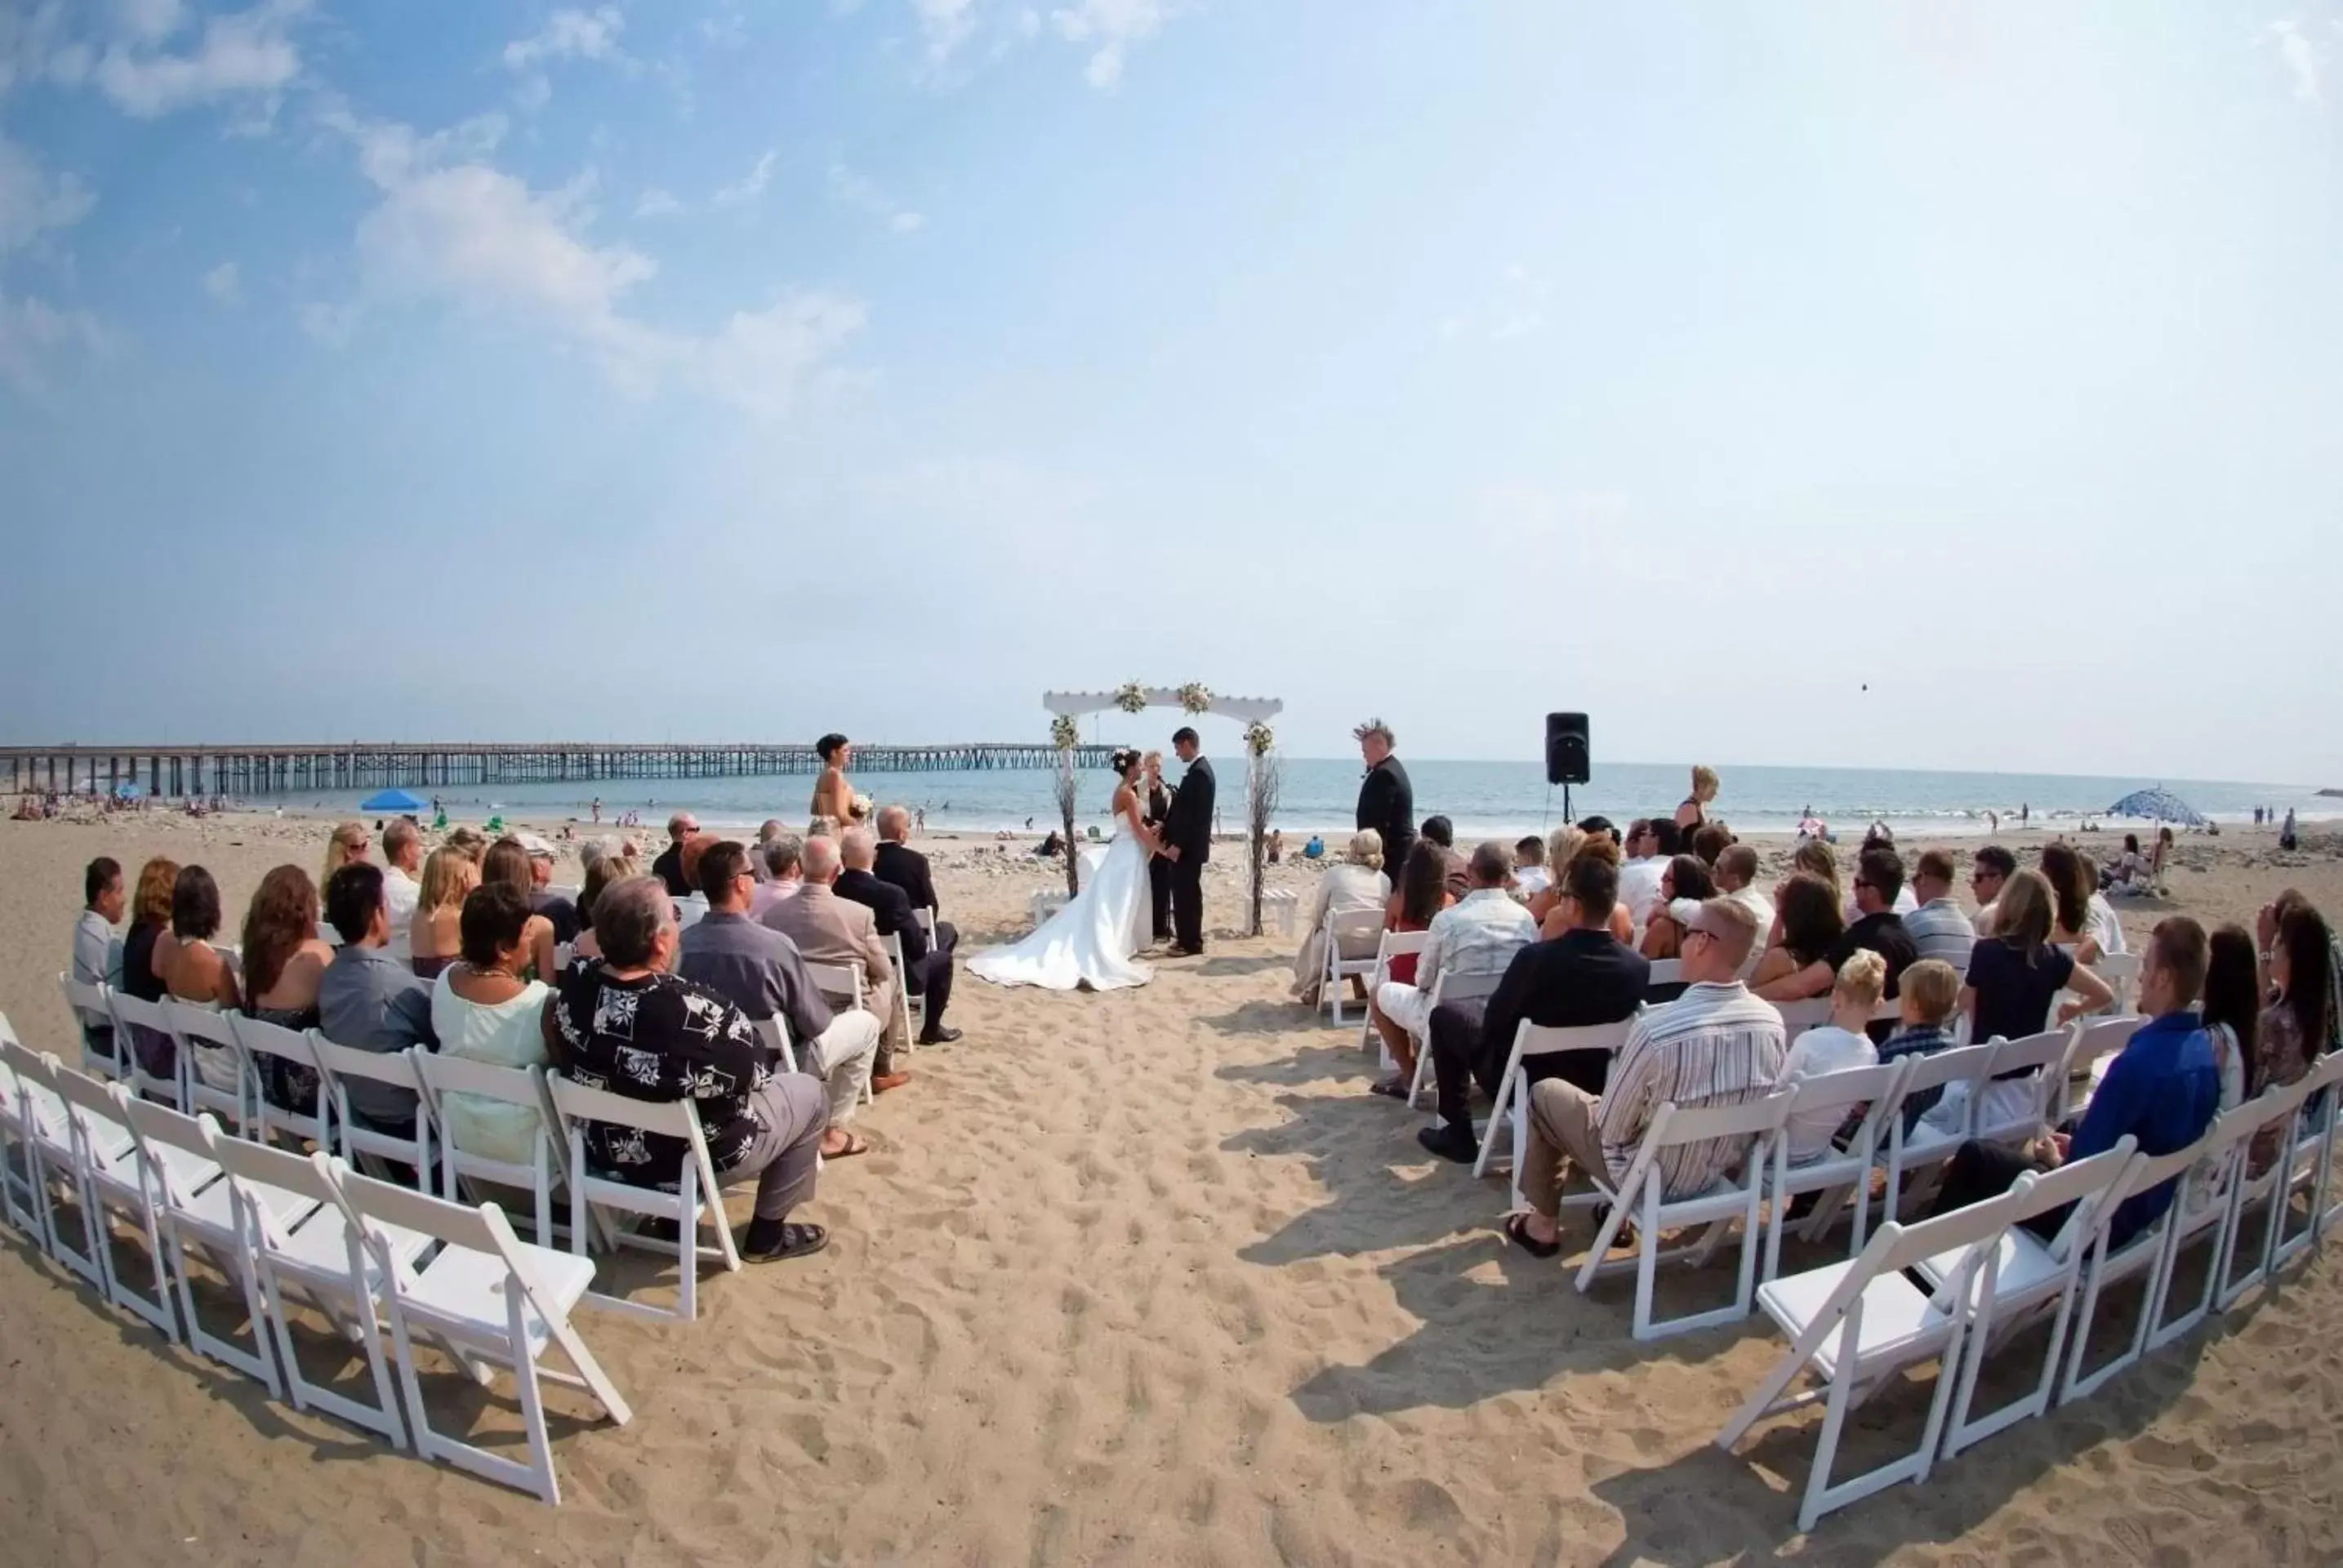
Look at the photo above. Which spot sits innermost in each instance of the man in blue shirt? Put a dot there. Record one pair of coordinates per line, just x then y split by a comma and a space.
2163, 1088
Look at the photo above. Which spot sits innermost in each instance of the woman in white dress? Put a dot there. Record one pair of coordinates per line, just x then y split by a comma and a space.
1089, 943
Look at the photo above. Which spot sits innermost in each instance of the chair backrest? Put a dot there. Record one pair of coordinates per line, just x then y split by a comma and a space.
1895, 1247
33, 1069
577, 1103
513, 1085
2101, 1037
1666, 971
191, 1022
1399, 944
895, 952
1352, 928
2121, 971
2032, 1053
370, 1204
2084, 1184
2278, 1105
263, 1164
774, 1032
838, 979
1537, 1040
87, 1000
1874, 1086
395, 1068
77, 1089
261, 1038
152, 1124
1678, 1124
1939, 1067
1798, 1016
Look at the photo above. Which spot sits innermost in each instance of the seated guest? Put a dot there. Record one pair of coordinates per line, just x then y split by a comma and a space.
507, 865
903, 867
1596, 827
1932, 991
1839, 1046
1441, 832
629, 1026
471, 842
2231, 1012
2129, 865
558, 911
829, 930
194, 971
759, 972
437, 934
150, 923
1879, 878
1683, 885
767, 830
1710, 840
2161, 1088
1668, 840
1584, 976
1807, 926
1736, 878
1639, 874
600, 873
347, 847
283, 963
96, 955
367, 999
483, 1010
1716, 1045
1530, 877
2016, 975
783, 874
402, 889
1473, 941
1558, 918
669, 867
2071, 888
1560, 846
1817, 858
1937, 925
1423, 894
1988, 870
1356, 884
2293, 1029
927, 973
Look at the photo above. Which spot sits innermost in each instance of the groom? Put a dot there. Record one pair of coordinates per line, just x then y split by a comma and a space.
1188, 844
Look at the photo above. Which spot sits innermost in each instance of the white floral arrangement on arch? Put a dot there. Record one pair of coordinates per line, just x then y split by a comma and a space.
1260, 738
1132, 698
1065, 734
1196, 698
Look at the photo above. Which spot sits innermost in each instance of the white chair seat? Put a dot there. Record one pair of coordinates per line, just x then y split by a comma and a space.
189, 1172
2024, 1269
320, 1248
462, 1288
214, 1208
1898, 1318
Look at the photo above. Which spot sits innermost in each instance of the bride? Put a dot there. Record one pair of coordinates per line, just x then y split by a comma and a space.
1088, 943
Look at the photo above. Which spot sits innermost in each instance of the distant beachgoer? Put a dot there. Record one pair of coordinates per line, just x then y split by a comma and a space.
598, 808
1993, 821
919, 820
2025, 813
2286, 832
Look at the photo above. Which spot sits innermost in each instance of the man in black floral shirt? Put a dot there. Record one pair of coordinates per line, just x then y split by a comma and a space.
629, 1026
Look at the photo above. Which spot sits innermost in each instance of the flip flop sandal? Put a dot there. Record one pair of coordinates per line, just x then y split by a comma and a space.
855, 1144
798, 1241
1517, 1232
1391, 1089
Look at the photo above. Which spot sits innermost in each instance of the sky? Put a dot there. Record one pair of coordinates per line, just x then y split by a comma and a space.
1831, 384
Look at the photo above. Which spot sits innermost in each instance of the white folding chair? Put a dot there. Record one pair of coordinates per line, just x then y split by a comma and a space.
1857, 1326
1347, 929
2028, 1278
1512, 1108
357, 1140
775, 1032
2012, 1100
91, 1011
50, 1146
2307, 1164
905, 1012
1755, 1123
1394, 944
486, 1294
2142, 1257
696, 1197
2204, 1205
321, 1261
207, 1219
214, 1074
112, 1177
21, 1198
1928, 1144
2096, 1039
1840, 1172
841, 982
130, 1016
926, 915
1798, 1016
1664, 971
265, 1044
1446, 986
691, 910
564, 953
2274, 1188
459, 1166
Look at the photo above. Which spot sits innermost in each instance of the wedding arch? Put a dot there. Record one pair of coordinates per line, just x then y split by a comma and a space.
1197, 700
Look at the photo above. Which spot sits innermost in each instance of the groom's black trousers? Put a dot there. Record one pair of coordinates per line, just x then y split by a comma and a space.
1188, 901
1159, 892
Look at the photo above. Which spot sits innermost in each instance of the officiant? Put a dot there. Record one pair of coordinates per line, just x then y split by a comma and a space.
1386, 799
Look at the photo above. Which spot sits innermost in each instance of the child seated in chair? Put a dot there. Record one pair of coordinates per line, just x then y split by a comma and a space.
1839, 1046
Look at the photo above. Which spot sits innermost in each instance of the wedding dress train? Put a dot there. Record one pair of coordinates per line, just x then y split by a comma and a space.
1088, 943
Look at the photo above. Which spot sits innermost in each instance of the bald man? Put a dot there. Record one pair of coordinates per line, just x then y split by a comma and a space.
906, 869
829, 930
928, 973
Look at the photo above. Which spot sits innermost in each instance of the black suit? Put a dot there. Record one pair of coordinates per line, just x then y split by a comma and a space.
903, 867
1578, 978
927, 973
1159, 869
1188, 827
1387, 804
669, 869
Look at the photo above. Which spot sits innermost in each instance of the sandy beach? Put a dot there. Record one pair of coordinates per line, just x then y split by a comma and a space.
1137, 1278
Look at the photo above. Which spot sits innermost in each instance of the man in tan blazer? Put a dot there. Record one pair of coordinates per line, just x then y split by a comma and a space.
829, 930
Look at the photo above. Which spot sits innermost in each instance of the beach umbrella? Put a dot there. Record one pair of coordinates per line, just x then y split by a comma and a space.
126, 791
393, 800
2161, 805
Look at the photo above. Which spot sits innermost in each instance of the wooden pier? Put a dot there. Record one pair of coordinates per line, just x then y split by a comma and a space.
185, 771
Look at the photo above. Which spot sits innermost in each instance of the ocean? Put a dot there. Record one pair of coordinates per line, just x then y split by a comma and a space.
1483, 798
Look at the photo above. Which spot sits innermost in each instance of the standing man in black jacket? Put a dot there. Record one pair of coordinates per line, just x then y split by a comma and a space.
1188, 844
1159, 869
1386, 800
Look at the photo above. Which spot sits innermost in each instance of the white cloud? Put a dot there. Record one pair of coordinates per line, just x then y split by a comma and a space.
2303, 58
451, 228
247, 53
33, 333
853, 191
34, 203
945, 24
656, 203
331, 324
1109, 29
149, 20
224, 283
751, 186
570, 35
727, 27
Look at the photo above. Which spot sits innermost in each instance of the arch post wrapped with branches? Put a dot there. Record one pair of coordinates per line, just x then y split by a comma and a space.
1263, 774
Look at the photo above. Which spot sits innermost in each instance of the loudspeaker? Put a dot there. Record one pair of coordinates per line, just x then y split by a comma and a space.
1567, 761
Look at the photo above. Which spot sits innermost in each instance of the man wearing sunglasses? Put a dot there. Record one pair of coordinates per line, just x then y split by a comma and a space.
1993, 867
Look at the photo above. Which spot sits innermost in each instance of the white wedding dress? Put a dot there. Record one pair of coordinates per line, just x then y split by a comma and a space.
1088, 943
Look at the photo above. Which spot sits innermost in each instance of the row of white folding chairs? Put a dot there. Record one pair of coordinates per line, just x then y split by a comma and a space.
287, 1228
1989, 1277
432, 1149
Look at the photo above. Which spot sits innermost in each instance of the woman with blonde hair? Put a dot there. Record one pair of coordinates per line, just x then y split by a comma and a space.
1564, 914
1562, 847
1818, 859
438, 933
2015, 976
1692, 815
347, 847
1356, 883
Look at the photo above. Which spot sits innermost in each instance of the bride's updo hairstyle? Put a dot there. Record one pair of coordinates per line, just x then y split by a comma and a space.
1124, 760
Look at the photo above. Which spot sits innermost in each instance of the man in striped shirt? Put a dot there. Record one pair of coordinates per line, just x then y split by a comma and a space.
1937, 927
1716, 1045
